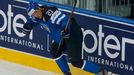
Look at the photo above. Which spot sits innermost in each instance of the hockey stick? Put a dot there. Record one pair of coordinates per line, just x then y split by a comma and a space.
70, 16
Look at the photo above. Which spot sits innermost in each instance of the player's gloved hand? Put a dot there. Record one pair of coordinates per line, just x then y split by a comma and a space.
27, 28
65, 35
25, 31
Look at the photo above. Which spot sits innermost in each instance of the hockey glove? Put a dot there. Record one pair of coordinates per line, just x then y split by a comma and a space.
65, 35
27, 28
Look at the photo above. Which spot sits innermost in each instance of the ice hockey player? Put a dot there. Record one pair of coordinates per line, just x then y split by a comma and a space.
54, 22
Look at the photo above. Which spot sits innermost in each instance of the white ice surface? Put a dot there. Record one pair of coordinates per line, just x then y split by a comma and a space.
8, 68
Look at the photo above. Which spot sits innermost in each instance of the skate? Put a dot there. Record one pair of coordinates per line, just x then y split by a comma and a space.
68, 73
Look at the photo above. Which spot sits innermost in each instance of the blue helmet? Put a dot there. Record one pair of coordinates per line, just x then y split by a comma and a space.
32, 7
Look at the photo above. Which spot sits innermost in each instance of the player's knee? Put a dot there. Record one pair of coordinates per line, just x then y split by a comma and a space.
55, 53
77, 64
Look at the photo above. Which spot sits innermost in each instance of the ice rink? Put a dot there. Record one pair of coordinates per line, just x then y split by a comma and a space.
8, 68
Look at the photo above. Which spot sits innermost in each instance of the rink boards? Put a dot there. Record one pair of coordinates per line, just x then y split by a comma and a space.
107, 40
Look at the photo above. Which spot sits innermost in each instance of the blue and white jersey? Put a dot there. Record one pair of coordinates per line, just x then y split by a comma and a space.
57, 17
54, 22
54, 15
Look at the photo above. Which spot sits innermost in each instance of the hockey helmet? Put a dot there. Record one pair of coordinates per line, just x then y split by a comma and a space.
32, 7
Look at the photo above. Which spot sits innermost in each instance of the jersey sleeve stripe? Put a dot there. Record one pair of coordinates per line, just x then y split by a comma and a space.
59, 20
54, 19
54, 14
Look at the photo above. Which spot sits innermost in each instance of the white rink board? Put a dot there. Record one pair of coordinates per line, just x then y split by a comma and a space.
8, 68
